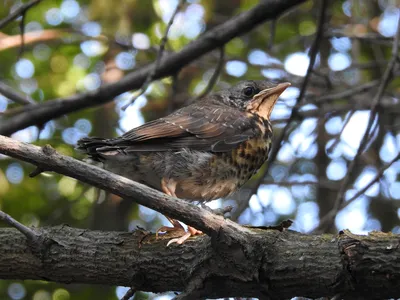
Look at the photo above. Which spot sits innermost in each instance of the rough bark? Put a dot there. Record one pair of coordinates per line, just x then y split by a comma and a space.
277, 265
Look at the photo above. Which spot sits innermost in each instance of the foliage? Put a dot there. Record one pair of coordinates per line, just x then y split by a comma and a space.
87, 43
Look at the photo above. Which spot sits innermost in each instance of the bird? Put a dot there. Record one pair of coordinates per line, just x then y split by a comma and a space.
201, 152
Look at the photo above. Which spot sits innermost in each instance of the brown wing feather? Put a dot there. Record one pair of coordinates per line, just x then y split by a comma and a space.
207, 128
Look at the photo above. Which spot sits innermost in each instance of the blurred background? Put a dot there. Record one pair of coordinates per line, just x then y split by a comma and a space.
75, 46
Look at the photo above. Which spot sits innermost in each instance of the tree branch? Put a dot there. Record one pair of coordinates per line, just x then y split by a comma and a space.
286, 264
48, 159
387, 77
215, 38
327, 219
294, 113
29, 233
16, 13
214, 78
8, 92
160, 52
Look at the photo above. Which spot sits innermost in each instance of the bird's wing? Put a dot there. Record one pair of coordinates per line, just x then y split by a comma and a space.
207, 128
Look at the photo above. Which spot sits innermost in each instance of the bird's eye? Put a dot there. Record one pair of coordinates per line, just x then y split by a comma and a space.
249, 91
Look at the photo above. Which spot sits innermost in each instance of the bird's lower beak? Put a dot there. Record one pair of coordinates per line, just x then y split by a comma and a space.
263, 103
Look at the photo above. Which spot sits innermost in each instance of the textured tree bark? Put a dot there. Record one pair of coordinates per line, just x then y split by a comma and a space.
272, 264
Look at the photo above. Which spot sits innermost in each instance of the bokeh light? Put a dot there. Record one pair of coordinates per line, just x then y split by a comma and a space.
54, 17
140, 41
96, 47
16, 291
236, 68
24, 68
297, 63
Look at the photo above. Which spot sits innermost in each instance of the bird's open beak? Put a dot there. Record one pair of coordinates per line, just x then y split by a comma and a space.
263, 103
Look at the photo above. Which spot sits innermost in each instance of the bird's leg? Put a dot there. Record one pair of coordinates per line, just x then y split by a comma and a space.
168, 186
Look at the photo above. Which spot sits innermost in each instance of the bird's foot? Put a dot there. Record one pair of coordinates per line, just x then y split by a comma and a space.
182, 239
176, 227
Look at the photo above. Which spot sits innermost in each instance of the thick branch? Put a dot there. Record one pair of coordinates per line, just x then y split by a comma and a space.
215, 38
290, 264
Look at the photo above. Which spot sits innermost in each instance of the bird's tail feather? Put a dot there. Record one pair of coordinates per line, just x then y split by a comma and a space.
94, 146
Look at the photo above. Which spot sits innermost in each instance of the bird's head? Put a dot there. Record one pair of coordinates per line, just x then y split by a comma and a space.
257, 97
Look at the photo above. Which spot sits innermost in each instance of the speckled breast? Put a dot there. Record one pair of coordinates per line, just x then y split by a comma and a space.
248, 158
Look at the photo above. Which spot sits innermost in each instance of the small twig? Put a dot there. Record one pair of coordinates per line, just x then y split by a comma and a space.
22, 31
337, 33
388, 75
313, 55
29, 233
346, 93
129, 294
174, 93
16, 13
36, 172
163, 43
193, 288
332, 213
337, 139
272, 34
214, 77
11, 94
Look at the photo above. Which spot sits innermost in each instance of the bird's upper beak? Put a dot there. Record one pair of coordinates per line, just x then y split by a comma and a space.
263, 103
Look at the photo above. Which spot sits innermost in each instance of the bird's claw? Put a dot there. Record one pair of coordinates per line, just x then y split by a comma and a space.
182, 239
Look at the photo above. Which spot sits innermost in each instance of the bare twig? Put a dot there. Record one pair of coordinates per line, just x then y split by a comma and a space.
313, 54
210, 40
337, 139
129, 294
29, 233
16, 13
387, 76
164, 40
347, 93
11, 94
272, 29
363, 36
174, 93
214, 77
22, 33
46, 159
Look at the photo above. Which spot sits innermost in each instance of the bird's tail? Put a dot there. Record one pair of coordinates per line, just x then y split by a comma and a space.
94, 146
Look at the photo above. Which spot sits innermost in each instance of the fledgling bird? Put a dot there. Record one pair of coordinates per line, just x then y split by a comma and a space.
201, 152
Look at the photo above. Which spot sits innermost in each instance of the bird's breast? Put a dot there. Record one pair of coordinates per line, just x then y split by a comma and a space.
244, 161
249, 157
